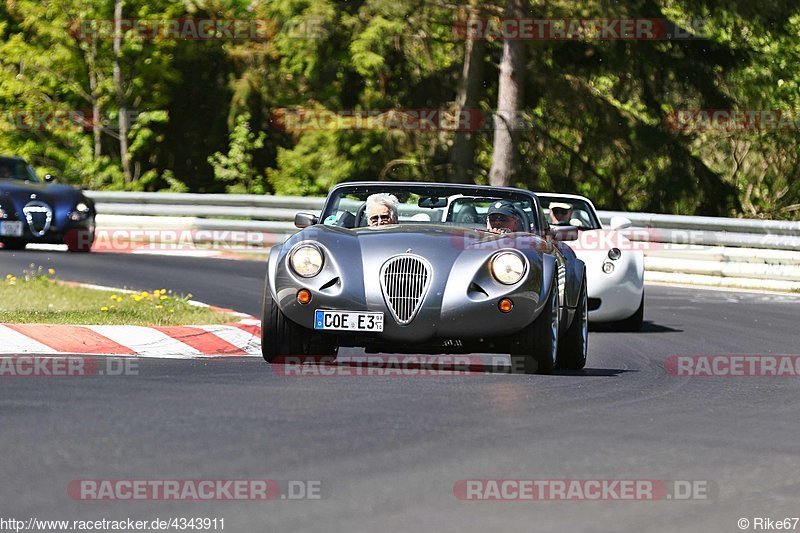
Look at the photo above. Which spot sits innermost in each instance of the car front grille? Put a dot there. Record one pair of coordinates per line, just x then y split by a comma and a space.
405, 280
39, 216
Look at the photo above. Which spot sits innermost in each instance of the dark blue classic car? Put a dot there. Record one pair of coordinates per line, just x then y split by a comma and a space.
36, 211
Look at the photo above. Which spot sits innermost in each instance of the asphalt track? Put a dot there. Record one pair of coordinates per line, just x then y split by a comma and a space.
389, 450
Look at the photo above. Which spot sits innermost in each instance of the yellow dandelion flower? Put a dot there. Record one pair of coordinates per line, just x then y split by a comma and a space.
163, 297
171, 310
104, 308
159, 307
51, 271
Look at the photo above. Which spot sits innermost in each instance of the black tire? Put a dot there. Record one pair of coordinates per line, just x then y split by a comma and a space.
574, 344
79, 240
534, 350
633, 322
282, 337
13, 244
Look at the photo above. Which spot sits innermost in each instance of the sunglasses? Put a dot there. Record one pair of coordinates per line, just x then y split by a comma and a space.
381, 218
559, 210
500, 218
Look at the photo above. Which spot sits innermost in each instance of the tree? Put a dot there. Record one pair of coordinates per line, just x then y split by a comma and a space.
509, 103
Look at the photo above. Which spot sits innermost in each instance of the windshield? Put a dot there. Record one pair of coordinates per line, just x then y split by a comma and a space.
14, 169
567, 211
455, 206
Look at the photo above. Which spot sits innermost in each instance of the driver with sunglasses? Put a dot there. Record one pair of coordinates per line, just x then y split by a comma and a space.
381, 210
560, 213
503, 218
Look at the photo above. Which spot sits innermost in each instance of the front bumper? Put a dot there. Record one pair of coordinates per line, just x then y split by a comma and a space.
450, 310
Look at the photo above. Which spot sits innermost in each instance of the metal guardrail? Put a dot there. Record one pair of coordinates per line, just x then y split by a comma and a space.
699, 250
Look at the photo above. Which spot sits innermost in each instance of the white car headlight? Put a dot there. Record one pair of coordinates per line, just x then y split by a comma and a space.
306, 260
507, 267
82, 207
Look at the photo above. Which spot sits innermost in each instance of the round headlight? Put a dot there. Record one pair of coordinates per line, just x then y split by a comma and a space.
614, 254
307, 260
507, 267
608, 268
82, 207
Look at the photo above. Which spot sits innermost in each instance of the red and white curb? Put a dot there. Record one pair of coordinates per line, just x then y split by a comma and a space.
171, 342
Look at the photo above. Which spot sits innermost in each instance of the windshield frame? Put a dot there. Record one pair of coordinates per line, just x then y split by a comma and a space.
428, 189
29, 174
556, 197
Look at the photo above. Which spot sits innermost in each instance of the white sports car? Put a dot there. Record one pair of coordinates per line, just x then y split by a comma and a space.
614, 266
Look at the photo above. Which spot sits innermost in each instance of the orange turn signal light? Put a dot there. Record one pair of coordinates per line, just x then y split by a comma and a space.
505, 305
303, 296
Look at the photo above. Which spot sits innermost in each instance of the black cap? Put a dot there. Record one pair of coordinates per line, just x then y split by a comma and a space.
502, 207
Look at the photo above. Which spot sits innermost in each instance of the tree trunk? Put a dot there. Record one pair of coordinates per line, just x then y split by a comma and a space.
120, 90
462, 156
95, 98
509, 103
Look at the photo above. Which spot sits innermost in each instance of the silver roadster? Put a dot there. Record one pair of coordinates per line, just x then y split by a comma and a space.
431, 275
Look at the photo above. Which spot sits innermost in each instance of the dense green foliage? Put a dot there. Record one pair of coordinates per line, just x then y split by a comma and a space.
595, 115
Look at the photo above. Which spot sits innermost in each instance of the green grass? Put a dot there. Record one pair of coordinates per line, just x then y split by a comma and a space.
38, 298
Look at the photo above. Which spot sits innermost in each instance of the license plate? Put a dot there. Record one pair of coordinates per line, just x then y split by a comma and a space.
348, 320
11, 228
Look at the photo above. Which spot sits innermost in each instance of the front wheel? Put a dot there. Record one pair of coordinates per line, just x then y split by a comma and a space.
535, 348
574, 344
282, 337
79, 240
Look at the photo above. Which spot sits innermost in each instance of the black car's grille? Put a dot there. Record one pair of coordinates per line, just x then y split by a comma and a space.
405, 280
39, 217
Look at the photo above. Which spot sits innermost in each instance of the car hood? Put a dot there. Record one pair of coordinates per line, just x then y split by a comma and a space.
19, 192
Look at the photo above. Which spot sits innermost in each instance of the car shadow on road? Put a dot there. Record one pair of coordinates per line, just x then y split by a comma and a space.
396, 366
647, 327
594, 372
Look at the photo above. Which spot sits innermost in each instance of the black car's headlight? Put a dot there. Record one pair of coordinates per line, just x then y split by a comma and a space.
3, 213
306, 260
81, 212
507, 267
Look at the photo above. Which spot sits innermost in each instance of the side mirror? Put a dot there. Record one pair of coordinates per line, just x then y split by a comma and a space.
618, 222
564, 233
304, 220
49, 178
